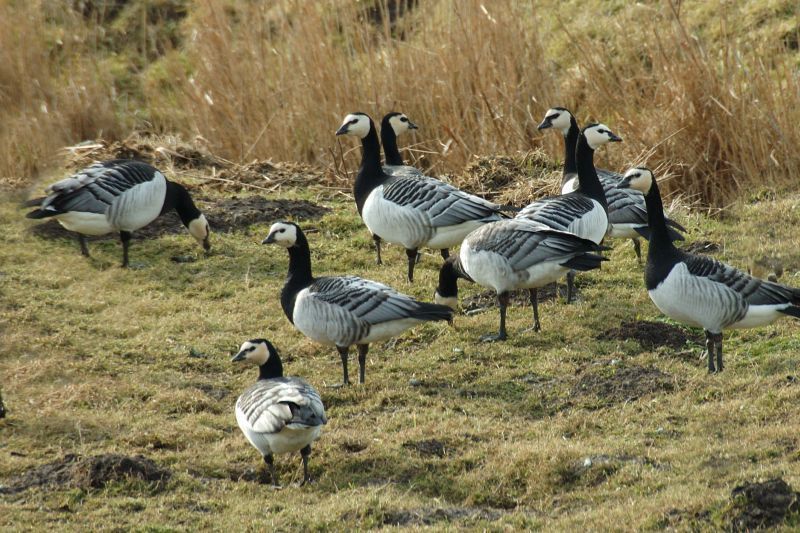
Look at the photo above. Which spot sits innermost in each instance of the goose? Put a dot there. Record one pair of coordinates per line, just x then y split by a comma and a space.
627, 212
121, 195
412, 211
583, 211
278, 414
699, 290
514, 254
345, 310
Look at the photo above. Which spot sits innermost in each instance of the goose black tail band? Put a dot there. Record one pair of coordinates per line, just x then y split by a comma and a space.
584, 262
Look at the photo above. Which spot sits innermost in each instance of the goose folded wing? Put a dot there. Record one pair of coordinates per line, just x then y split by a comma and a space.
753, 290
364, 300
443, 203
626, 206
270, 405
558, 212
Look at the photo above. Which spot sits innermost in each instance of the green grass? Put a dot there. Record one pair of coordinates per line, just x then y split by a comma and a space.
97, 359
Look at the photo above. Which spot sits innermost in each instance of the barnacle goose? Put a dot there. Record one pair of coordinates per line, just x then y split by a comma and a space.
627, 212
278, 414
699, 290
514, 254
121, 195
343, 310
413, 211
583, 211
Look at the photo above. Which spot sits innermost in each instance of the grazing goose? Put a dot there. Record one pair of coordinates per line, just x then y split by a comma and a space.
119, 195
343, 310
583, 211
514, 254
412, 211
699, 290
627, 213
278, 414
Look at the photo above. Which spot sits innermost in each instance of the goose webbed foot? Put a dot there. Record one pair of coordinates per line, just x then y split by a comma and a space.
494, 337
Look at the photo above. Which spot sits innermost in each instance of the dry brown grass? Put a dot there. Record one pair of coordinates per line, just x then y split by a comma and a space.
709, 96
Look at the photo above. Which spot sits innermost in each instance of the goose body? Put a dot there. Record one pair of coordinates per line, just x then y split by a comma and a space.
278, 414
627, 212
413, 211
346, 310
117, 196
701, 291
515, 254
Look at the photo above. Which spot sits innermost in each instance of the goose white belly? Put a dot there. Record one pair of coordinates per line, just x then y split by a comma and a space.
697, 301
450, 236
387, 330
623, 231
85, 223
323, 322
760, 315
403, 225
289, 439
492, 270
139, 205
593, 225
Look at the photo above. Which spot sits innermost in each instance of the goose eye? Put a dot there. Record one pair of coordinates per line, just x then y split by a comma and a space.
403, 119
281, 230
251, 349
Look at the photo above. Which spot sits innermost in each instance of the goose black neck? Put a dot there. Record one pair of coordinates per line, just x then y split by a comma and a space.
570, 146
299, 276
370, 174
448, 278
178, 198
273, 367
389, 142
659, 234
588, 182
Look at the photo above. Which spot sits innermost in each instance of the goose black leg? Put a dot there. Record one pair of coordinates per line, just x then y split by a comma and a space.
412, 259
534, 296
718, 349
714, 347
377, 241
362, 361
83, 241
271, 466
305, 453
125, 237
570, 286
343, 353
637, 247
445, 253
502, 302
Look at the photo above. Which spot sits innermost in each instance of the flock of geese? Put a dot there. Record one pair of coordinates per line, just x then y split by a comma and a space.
500, 247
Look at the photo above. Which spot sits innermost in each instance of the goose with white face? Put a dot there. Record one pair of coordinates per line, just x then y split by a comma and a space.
283, 234
639, 178
355, 124
255, 351
198, 228
598, 135
558, 118
401, 124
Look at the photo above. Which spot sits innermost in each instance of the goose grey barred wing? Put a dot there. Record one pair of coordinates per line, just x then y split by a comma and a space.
608, 177
368, 301
557, 212
95, 188
524, 243
401, 171
444, 204
272, 404
753, 290
625, 206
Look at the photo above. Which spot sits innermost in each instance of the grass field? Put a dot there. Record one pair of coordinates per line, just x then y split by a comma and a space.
606, 419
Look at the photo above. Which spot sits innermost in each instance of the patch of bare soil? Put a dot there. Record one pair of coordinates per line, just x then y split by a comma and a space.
520, 298
89, 472
429, 516
224, 215
651, 335
512, 179
762, 505
618, 383
429, 447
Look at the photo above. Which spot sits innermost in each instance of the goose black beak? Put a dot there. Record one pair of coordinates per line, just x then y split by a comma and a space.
624, 184
269, 240
412, 126
342, 130
545, 124
206, 244
241, 356
615, 139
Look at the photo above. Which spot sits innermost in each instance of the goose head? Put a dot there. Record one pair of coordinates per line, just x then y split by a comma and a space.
599, 134
256, 351
356, 124
283, 234
639, 178
557, 117
400, 123
199, 229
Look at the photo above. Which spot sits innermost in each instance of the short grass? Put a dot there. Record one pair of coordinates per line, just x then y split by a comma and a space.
543, 431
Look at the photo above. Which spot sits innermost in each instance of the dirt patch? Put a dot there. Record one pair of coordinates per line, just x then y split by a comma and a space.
224, 215
651, 335
429, 447
519, 298
513, 179
762, 505
353, 446
702, 247
617, 383
428, 516
89, 472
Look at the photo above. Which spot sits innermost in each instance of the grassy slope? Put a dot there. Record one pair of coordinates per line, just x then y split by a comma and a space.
96, 359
